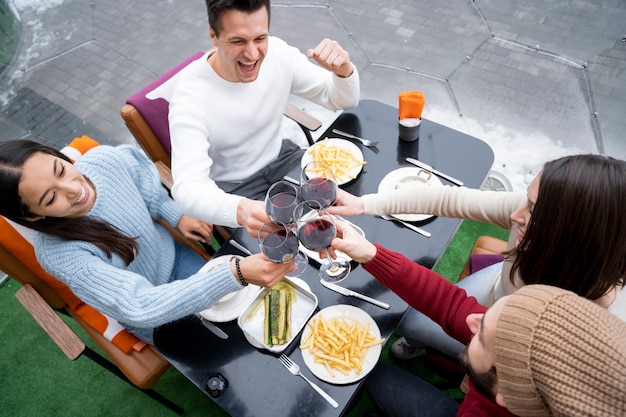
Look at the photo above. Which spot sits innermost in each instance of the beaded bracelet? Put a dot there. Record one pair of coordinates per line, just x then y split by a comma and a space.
239, 274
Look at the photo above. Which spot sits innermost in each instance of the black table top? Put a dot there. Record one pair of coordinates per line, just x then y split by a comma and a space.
258, 384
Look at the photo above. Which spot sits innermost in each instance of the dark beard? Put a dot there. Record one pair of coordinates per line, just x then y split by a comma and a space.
485, 382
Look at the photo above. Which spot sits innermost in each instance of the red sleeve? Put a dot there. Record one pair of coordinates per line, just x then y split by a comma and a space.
425, 291
476, 404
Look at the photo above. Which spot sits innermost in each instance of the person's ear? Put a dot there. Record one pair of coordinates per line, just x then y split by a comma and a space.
213, 36
34, 218
500, 400
473, 322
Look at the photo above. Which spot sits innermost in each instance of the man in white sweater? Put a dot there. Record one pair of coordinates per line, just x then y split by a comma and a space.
226, 111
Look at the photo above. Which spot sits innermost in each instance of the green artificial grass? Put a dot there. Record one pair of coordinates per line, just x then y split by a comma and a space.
453, 259
39, 380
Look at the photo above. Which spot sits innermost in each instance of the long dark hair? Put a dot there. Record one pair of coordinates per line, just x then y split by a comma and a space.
576, 237
13, 155
217, 8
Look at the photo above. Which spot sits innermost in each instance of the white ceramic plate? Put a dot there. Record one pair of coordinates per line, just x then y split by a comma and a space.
231, 305
371, 357
347, 145
316, 256
407, 177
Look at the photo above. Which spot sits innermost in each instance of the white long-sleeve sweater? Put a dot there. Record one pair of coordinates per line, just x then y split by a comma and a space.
464, 203
227, 131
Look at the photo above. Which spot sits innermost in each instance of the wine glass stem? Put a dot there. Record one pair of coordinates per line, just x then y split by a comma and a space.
332, 265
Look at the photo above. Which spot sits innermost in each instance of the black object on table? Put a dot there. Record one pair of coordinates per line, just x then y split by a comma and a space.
256, 382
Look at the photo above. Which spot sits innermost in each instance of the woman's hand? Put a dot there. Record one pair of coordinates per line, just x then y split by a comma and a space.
346, 205
195, 229
257, 269
352, 243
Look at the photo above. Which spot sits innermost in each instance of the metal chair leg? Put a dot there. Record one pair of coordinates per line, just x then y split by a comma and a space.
100, 360
4, 279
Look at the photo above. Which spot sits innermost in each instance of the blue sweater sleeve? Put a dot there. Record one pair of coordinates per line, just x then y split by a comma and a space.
124, 295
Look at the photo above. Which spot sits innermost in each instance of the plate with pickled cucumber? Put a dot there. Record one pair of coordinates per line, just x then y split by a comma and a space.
277, 315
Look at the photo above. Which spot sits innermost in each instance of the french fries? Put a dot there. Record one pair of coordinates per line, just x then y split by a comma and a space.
340, 161
340, 344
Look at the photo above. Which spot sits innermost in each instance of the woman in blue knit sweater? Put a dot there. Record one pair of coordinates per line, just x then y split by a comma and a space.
98, 234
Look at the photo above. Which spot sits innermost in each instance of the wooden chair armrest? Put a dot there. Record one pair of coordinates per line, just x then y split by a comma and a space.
302, 118
221, 233
178, 236
165, 173
166, 179
144, 134
59, 332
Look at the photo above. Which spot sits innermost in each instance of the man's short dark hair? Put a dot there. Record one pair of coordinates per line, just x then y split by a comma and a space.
217, 8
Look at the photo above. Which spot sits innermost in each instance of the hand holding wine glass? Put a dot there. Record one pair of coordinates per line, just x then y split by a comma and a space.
316, 230
318, 183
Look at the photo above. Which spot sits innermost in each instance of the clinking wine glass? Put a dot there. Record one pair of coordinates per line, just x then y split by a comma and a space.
280, 245
280, 201
317, 182
316, 230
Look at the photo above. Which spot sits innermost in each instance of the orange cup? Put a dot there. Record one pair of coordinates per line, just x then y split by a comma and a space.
410, 105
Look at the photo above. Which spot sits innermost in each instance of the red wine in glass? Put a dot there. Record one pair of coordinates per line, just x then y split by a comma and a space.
317, 234
316, 230
318, 183
280, 201
280, 245
280, 207
322, 190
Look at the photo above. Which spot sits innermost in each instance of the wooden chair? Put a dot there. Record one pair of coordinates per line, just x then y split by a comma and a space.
486, 251
43, 297
147, 120
140, 365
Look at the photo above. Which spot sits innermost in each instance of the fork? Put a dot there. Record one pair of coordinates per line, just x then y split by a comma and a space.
294, 368
366, 142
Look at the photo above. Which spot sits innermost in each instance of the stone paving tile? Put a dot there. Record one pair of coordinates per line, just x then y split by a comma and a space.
46, 121
81, 60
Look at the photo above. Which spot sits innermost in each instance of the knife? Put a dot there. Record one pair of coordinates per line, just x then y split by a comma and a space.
239, 246
213, 328
350, 293
291, 180
408, 225
433, 170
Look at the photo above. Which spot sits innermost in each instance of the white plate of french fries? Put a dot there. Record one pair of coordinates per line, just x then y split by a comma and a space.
341, 344
343, 157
